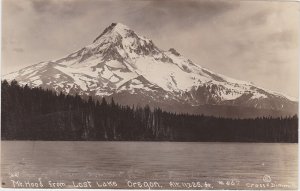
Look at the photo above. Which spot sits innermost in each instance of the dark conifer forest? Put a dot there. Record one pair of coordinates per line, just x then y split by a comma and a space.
38, 114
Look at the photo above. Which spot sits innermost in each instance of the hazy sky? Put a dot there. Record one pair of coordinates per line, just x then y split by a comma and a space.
255, 41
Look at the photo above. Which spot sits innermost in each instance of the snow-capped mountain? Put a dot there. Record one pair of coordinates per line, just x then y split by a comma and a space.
122, 64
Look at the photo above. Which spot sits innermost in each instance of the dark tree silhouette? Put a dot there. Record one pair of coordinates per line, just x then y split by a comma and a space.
38, 114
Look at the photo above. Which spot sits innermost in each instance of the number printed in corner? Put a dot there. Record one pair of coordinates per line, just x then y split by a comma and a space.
229, 182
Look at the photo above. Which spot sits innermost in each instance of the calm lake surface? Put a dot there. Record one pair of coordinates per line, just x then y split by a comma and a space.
143, 165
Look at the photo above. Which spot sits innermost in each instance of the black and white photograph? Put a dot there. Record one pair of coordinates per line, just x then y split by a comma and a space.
150, 94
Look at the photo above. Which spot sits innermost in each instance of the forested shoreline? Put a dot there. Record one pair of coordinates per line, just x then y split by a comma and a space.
38, 114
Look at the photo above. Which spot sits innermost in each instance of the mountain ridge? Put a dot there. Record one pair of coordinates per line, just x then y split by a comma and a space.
119, 61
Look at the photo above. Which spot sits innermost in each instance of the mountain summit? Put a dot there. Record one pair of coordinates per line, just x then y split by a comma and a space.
120, 63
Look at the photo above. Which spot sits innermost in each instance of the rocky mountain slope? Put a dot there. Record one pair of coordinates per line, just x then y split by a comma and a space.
120, 63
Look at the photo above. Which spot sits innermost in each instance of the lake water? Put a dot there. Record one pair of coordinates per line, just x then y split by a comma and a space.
143, 165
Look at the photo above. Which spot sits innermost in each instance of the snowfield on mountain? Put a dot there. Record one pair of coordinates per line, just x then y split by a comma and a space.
120, 63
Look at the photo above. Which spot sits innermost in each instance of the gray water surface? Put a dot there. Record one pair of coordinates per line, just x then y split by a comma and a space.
155, 165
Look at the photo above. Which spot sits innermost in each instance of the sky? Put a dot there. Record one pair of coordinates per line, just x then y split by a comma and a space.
256, 41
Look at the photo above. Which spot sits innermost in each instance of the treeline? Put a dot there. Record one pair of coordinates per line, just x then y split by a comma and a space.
38, 114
